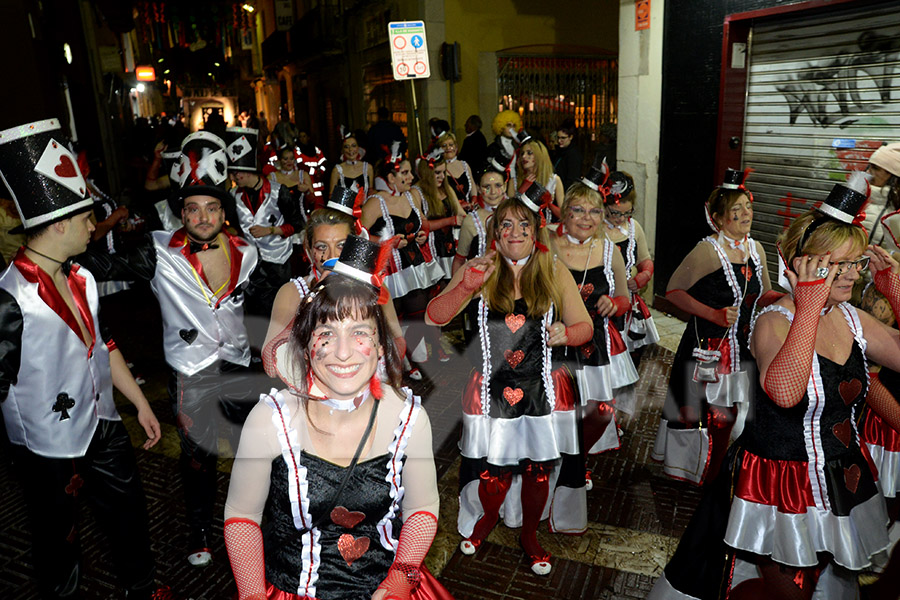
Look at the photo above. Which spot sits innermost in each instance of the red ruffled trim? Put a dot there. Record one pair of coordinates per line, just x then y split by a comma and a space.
780, 483
878, 433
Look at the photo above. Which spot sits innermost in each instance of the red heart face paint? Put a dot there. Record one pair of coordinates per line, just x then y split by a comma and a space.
343, 356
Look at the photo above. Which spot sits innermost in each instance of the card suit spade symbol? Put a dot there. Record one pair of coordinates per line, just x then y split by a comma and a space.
352, 548
851, 477
188, 335
843, 432
515, 322
587, 350
65, 168
513, 358
849, 390
748, 273
586, 291
513, 396
346, 518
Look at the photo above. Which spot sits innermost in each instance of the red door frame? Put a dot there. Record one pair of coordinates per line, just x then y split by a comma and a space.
733, 82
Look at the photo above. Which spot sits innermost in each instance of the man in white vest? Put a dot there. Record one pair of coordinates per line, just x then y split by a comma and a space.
57, 372
198, 274
268, 218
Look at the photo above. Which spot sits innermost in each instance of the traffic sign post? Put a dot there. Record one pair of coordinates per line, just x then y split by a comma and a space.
409, 58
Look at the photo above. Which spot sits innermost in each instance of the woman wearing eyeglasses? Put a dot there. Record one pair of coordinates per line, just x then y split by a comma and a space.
796, 512
603, 363
718, 284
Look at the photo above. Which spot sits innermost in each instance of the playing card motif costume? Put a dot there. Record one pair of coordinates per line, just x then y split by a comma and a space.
67, 438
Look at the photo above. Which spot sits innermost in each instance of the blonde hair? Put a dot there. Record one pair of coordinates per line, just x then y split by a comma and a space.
578, 191
428, 185
543, 168
536, 280
447, 136
828, 234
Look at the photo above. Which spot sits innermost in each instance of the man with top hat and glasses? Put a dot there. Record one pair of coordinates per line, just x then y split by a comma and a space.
57, 372
267, 216
198, 274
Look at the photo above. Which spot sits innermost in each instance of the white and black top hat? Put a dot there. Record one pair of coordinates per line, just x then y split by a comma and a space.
42, 174
203, 167
522, 137
847, 199
535, 197
241, 148
359, 260
597, 174
733, 179
347, 200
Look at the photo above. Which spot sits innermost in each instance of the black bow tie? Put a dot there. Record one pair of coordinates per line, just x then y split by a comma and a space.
195, 247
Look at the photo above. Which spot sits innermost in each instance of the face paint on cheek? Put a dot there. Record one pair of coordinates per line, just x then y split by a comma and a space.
365, 344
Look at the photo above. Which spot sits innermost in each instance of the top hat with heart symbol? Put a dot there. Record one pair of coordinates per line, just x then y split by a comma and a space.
42, 174
203, 167
241, 148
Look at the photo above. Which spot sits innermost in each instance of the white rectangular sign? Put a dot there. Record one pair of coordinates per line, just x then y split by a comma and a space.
409, 50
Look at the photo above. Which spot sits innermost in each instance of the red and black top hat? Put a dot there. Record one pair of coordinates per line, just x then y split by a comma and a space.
42, 174
241, 148
535, 197
597, 175
203, 167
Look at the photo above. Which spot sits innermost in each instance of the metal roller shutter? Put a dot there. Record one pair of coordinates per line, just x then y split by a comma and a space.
822, 93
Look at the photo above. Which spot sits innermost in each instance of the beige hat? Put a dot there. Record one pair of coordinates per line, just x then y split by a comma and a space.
888, 158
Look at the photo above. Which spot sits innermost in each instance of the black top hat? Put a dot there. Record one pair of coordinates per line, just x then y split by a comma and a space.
597, 175
522, 137
618, 186
203, 167
733, 179
42, 174
535, 196
358, 260
241, 148
346, 199
847, 199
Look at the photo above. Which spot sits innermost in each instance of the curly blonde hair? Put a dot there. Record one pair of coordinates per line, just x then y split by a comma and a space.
498, 126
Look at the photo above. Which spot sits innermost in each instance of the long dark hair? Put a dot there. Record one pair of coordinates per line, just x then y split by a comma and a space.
335, 298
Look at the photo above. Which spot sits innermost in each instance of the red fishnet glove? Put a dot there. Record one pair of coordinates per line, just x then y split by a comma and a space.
443, 308
768, 298
269, 352
788, 373
622, 304
579, 333
244, 542
442, 223
883, 402
689, 304
645, 272
889, 285
415, 539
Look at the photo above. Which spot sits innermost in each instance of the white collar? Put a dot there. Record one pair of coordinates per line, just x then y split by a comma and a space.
740, 245
450, 160
335, 404
620, 228
518, 263
576, 241
351, 162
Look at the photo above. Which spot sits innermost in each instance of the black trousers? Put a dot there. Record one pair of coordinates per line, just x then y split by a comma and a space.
212, 403
106, 476
263, 285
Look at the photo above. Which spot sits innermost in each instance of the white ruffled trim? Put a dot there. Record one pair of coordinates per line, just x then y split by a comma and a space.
397, 449
506, 442
887, 463
482, 234
301, 285
796, 539
298, 492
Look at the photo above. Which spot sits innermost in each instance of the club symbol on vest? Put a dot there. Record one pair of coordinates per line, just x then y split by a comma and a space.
62, 405
188, 335
272, 219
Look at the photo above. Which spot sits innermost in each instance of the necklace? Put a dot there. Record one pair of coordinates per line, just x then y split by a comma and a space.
587, 263
61, 262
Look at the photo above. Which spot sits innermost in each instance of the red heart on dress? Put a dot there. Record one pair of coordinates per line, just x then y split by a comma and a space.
410, 228
844, 432
587, 350
352, 548
586, 291
747, 271
849, 390
513, 358
513, 396
851, 477
515, 322
346, 518
65, 168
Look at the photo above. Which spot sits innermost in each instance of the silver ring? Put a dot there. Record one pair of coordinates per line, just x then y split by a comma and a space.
822, 272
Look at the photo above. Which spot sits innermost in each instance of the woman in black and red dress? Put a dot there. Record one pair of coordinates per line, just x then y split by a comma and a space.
519, 409
796, 512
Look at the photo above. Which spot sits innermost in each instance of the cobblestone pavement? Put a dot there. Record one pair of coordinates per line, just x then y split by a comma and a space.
635, 513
